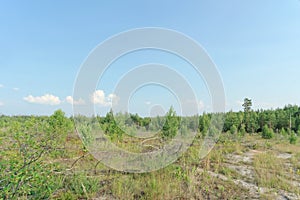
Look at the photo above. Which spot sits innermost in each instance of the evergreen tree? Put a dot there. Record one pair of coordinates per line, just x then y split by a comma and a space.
171, 125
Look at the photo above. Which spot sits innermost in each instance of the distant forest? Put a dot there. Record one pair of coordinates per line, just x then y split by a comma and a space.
284, 121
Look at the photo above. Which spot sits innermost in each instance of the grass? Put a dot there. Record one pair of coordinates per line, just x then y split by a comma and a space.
81, 176
271, 172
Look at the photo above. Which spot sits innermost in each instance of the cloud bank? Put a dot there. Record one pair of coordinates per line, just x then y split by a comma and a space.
47, 99
97, 98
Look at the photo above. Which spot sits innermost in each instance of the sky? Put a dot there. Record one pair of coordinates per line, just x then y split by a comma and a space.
254, 44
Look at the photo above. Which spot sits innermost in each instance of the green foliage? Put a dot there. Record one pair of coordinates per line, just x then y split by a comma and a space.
204, 122
232, 119
267, 133
110, 126
81, 185
85, 130
293, 139
247, 104
138, 121
171, 125
233, 129
251, 122
23, 173
28, 169
59, 126
242, 130
58, 122
213, 131
283, 132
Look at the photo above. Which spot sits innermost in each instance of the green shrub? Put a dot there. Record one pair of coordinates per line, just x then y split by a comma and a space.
267, 133
233, 129
283, 132
242, 131
171, 125
293, 139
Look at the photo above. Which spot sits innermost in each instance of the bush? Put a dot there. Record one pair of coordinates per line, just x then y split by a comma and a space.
233, 129
242, 131
293, 138
171, 125
267, 133
283, 132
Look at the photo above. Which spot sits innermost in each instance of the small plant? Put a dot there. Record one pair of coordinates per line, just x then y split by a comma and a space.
283, 132
267, 133
293, 139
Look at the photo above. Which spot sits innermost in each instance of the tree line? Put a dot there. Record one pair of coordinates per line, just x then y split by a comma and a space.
284, 121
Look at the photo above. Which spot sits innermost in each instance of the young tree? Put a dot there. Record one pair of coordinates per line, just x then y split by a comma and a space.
136, 119
204, 122
267, 133
233, 129
293, 138
171, 125
59, 126
110, 126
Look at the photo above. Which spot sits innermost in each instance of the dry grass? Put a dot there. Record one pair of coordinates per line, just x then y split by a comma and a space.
187, 178
271, 172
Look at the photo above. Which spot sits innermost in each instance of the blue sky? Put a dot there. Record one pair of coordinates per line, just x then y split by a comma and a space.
255, 45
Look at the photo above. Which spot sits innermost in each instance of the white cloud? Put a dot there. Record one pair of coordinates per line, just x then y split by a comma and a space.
1, 103
16, 89
98, 97
1, 86
47, 99
70, 100
148, 102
